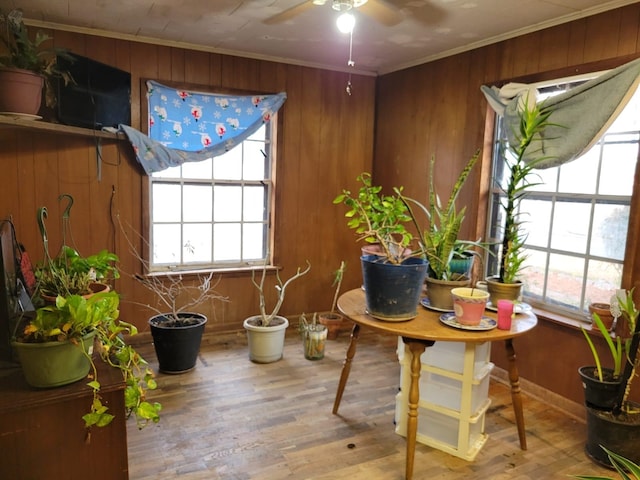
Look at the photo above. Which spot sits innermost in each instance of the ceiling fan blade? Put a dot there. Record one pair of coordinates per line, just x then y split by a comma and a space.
289, 13
382, 12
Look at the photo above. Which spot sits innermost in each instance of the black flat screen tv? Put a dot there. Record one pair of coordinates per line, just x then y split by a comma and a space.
100, 97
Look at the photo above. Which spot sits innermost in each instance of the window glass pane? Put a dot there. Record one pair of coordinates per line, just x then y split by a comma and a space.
166, 244
171, 172
570, 227
564, 282
227, 204
603, 279
254, 203
226, 241
544, 180
229, 165
536, 218
197, 243
609, 236
197, 170
198, 203
166, 202
253, 241
533, 275
580, 175
618, 169
254, 161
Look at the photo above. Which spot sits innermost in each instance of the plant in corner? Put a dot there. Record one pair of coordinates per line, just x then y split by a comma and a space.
266, 331
56, 348
520, 162
394, 276
615, 422
439, 242
333, 319
27, 62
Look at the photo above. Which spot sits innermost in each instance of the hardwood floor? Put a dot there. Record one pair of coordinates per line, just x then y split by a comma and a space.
231, 419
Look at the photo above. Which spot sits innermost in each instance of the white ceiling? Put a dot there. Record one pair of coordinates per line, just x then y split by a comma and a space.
426, 30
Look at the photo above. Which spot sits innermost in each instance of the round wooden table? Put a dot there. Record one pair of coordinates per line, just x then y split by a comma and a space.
420, 333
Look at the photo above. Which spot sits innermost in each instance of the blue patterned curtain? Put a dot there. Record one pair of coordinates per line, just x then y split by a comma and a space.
187, 126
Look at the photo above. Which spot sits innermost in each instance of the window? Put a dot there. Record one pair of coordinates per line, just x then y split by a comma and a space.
576, 219
215, 213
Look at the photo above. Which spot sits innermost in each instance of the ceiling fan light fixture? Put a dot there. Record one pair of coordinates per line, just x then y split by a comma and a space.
342, 5
319, 2
346, 22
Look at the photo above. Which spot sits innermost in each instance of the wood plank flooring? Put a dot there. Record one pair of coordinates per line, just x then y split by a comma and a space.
231, 419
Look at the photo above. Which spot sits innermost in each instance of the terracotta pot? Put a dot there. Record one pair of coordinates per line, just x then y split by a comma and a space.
20, 91
604, 312
95, 287
469, 304
334, 322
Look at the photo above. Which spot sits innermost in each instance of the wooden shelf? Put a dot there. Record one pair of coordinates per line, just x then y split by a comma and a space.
37, 125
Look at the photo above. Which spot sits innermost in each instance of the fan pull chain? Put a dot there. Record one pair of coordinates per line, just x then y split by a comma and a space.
350, 62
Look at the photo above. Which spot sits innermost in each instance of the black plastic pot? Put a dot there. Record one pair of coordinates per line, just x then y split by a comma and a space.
392, 292
597, 394
619, 434
177, 341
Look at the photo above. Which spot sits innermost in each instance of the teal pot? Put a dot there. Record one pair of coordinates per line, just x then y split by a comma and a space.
177, 340
620, 434
439, 291
597, 394
266, 344
53, 364
462, 265
392, 292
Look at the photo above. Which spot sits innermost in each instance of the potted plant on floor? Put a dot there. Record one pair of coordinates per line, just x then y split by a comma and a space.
176, 328
521, 157
617, 428
332, 319
27, 67
57, 348
393, 277
266, 331
314, 336
439, 241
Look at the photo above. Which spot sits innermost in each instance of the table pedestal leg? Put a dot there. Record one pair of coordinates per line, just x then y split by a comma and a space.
516, 398
346, 366
417, 349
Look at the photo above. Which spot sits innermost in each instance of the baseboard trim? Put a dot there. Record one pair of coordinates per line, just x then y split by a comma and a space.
571, 408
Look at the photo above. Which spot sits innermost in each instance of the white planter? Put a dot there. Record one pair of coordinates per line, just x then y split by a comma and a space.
266, 344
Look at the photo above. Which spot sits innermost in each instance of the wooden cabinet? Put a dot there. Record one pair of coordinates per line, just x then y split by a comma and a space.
42, 434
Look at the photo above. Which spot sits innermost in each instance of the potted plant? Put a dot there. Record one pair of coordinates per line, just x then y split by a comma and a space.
621, 464
333, 319
314, 336
69, 273
617, 426
266, 331
439, 241
57, 348
26, 67
392, 277
521, 156
176, 329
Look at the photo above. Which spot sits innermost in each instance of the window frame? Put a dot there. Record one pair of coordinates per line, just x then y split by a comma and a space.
631, 261
275, 125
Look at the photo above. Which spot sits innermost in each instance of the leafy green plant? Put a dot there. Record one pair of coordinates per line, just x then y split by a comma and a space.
73, 317
378, 218
439, 241
615, 349
533, 121
28, 54
623, 466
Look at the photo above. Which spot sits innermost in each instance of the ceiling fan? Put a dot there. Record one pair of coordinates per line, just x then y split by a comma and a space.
380, 10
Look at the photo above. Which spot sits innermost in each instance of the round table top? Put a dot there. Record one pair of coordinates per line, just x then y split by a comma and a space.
427, 325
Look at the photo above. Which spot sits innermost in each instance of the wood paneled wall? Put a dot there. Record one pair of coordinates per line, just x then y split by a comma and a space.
325, 141
438, 109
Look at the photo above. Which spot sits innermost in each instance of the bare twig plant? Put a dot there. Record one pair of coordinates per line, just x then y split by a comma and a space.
173, 294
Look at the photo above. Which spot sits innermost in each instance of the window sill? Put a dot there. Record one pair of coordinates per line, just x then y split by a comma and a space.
206, 271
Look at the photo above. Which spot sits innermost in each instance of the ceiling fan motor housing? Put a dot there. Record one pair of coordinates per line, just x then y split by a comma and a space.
346, 5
